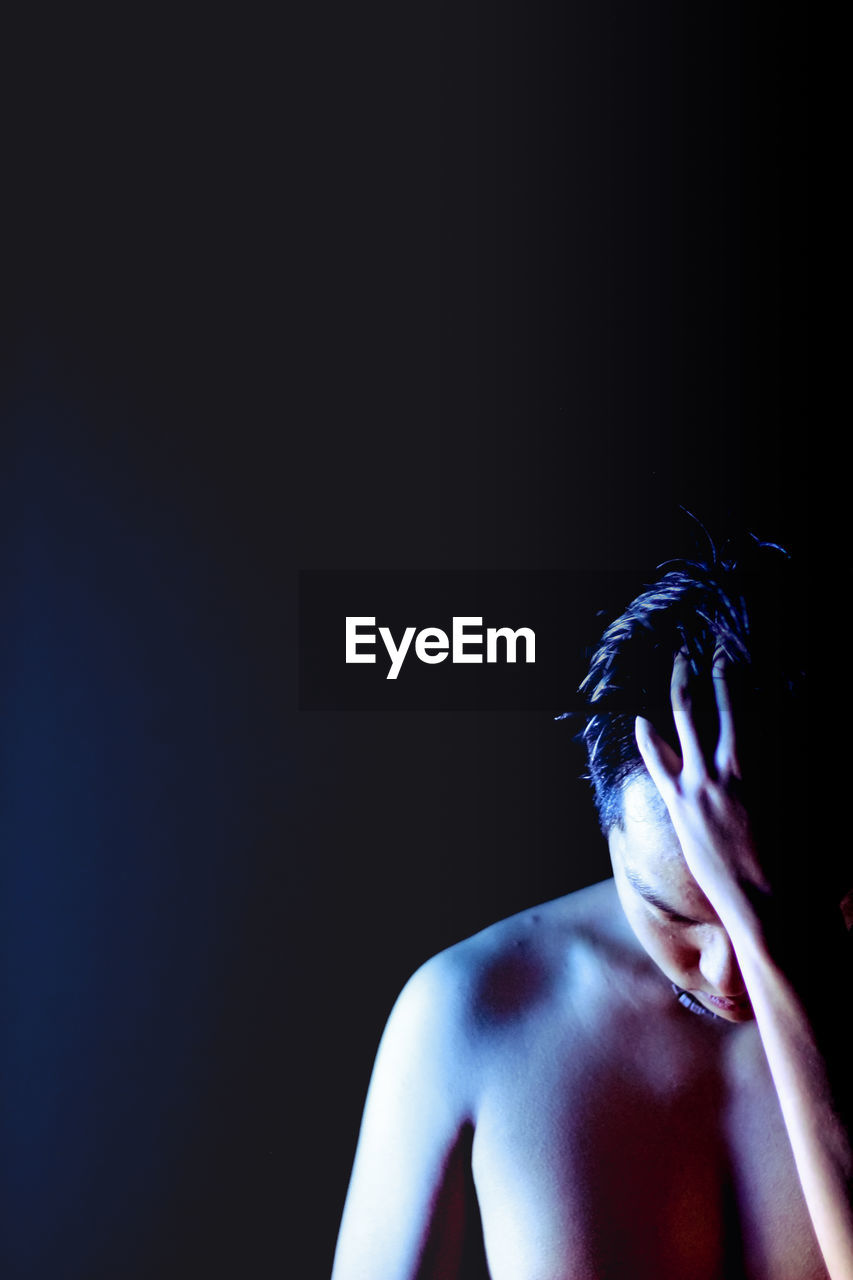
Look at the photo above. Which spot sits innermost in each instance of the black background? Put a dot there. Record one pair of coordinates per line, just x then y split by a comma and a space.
469, 286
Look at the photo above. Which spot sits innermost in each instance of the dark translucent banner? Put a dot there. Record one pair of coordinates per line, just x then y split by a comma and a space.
463, 640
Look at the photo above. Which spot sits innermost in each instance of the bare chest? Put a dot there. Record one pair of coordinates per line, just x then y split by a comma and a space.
592, 1164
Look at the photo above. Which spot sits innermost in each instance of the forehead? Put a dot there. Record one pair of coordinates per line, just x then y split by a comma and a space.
647, 847
646, 826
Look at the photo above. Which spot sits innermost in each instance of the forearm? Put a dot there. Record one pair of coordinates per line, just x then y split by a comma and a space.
790, 988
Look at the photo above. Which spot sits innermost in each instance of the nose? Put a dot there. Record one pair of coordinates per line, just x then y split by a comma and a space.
718, 964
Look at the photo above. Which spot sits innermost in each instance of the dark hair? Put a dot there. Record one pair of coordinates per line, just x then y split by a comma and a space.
745, 603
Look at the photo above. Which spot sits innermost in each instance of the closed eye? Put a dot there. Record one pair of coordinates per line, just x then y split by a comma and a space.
651, 896
675, 917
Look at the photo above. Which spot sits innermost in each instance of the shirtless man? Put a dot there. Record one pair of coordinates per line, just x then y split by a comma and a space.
642, 1080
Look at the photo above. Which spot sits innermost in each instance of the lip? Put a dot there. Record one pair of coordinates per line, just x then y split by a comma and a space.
728, 1004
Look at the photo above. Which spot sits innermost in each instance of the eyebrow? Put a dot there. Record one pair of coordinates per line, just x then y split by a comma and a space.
646, 891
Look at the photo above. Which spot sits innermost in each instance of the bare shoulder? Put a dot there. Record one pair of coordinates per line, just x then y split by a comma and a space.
457, 1029
516, 969
465, 1009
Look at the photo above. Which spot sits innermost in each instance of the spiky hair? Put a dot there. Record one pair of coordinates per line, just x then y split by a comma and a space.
740, 604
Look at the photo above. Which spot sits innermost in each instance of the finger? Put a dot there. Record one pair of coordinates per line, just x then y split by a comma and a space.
725, 757
663, 764
682, 714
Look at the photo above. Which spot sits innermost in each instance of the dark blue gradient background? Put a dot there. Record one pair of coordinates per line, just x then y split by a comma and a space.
469, 286
136, 787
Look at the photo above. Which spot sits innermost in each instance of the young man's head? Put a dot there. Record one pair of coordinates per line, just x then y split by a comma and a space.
749, 611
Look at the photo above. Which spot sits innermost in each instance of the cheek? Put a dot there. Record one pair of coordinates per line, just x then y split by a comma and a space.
669, 948
676, 948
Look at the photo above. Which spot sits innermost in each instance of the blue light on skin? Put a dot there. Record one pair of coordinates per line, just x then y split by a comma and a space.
668, 912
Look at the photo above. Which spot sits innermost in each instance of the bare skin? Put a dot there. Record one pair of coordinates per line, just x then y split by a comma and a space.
546, 1068
775, 954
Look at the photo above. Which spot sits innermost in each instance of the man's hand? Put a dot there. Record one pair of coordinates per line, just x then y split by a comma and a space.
797, 1017
702, 795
